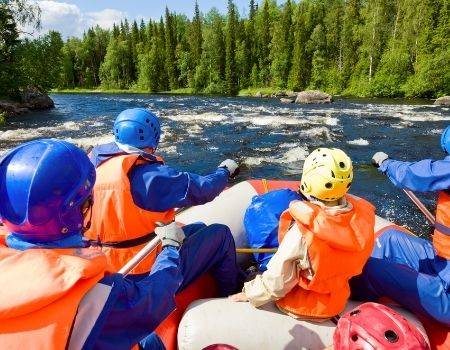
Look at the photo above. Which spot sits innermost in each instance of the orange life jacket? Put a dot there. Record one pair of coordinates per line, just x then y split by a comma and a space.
441, 237
41, 292
118, 224
338, 247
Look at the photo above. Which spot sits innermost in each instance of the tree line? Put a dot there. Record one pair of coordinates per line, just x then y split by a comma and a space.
366, 48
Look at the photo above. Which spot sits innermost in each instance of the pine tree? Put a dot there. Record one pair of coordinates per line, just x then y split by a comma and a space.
299, 74
318, 71
282, 47
265, 37
196, 38
171, 65
230, 68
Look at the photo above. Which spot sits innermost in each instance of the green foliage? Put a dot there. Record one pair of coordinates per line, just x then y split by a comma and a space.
2, 118
231, 79
365, 48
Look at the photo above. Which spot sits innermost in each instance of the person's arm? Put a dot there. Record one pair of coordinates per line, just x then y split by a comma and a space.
158, 187
282, 271
423, 176
139, 307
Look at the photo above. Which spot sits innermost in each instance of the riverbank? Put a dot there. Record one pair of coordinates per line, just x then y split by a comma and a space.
249, 92
264, 91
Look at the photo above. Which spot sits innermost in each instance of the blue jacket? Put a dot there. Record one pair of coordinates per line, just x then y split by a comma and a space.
422, 176
122, 311
158, 187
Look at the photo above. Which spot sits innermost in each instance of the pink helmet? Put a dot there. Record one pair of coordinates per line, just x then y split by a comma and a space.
375, 326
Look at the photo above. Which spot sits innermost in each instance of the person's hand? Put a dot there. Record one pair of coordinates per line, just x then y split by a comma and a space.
231, 166
239, 297
170, 235
378, 158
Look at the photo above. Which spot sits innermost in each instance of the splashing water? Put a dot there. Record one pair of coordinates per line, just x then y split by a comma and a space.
270, 139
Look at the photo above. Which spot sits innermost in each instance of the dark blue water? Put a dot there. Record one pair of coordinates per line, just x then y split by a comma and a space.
270, 139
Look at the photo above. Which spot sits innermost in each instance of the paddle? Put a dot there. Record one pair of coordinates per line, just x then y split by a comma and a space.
421, 206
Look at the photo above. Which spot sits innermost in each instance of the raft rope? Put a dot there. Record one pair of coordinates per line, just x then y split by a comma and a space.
265, 186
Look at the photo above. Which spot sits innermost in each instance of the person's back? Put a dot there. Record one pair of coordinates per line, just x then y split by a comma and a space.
326, 227
413, 271
58, 294
135, 189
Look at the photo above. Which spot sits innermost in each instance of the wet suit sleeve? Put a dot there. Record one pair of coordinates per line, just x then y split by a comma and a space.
423, 176
137, 308
157, 187
282, 271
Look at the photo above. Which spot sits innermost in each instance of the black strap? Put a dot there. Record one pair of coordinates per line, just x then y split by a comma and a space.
124, 244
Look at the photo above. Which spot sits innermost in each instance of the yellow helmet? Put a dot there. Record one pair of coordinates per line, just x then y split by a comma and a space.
327, 174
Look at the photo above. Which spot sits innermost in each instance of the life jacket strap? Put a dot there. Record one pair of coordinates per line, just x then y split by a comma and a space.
130, 243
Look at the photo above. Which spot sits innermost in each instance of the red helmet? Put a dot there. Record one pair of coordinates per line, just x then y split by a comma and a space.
375, 326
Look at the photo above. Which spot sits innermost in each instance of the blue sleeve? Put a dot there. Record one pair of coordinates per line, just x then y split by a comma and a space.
139, 307
157, 187
423, 176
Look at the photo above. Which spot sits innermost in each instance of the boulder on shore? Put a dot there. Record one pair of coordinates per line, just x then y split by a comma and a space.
31, 99
286, 100
313, 96
443, 101
35, 99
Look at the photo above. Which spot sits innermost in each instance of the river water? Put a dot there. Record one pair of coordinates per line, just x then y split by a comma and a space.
270, 139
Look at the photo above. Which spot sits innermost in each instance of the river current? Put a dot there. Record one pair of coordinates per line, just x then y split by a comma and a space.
269, 139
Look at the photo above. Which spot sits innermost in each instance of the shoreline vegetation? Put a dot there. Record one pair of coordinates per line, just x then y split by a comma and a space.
348, 49
249, 92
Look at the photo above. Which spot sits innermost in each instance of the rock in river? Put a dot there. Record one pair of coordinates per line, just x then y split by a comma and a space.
443, 101
313, 96
286, 100
31, 99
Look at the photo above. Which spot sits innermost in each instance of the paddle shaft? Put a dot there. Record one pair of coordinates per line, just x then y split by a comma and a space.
421, 206
255, 250
144, 252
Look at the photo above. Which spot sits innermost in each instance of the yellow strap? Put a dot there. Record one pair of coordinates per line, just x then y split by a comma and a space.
265, 185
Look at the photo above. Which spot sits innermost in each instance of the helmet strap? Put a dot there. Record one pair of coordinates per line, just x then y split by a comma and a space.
87, 226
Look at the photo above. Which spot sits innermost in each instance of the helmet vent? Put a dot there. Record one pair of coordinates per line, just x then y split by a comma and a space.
141, 131
349, 184
341, 164
117, 131
147, 121
355, 312
141, 138
354, 337
332, 174
328, 185
391, 336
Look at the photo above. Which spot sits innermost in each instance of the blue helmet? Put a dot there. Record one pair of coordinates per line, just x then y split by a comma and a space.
137, 127
445, 140
43, 186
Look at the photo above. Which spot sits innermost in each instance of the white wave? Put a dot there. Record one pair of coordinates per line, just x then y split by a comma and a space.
318, 132
359, 142
435, 131
86, 142
288, 145
291, 158
195, 118
24, 134
327, 119
254, 161
422, 117
169, 149
294, 155
20, 134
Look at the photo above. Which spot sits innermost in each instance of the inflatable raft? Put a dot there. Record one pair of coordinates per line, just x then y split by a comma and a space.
200, 321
